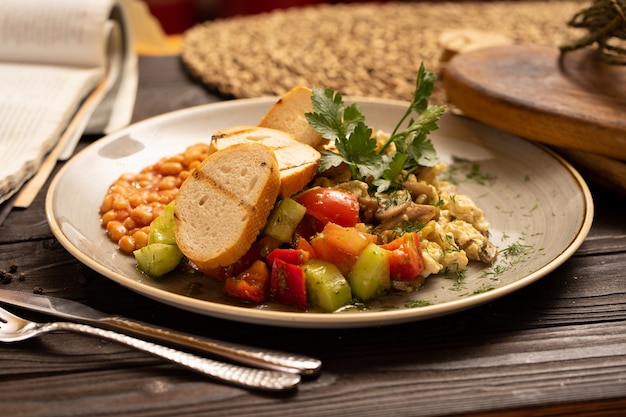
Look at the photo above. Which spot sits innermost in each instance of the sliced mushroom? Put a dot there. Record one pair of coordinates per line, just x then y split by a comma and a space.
392, 205
419, 190
488, 252
412, 214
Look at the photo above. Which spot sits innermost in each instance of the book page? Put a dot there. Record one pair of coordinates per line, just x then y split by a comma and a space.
36, 104
59, 32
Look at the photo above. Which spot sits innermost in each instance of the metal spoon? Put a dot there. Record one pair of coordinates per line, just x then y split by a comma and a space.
14, 329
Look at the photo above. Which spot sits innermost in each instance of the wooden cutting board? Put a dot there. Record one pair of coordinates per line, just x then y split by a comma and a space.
576, 101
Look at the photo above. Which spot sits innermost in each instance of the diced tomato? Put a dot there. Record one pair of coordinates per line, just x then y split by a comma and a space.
287, 284
405, 258
291, 256
250, 285
303, 244
340, 245
331, 205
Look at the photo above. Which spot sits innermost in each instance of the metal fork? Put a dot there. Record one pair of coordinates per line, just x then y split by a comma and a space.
14, 329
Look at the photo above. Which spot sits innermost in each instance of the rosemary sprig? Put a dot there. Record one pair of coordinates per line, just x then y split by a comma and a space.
605, 21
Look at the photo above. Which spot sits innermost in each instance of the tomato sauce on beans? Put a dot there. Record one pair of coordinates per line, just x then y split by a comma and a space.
134, 200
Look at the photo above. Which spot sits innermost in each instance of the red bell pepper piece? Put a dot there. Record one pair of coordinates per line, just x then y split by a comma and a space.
250, 285
287, 284
291, 256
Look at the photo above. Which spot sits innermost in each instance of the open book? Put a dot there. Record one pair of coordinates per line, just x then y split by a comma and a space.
67, 67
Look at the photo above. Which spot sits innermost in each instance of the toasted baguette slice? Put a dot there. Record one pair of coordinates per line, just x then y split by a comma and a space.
297, 162
221, 208
287, 114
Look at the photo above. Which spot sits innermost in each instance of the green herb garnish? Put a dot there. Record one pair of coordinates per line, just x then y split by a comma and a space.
358, 149
516, 249
417, 303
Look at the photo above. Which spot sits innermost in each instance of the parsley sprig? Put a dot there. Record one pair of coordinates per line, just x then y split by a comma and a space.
358, 149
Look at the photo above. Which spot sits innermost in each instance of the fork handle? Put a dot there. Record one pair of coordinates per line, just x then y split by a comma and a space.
238, 375
262, 358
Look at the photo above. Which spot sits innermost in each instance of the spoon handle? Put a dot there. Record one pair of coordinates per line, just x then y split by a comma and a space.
261, 379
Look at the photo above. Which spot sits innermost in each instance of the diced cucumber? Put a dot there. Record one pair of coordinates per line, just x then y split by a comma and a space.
325, 285
158, 259
162, 228
369, 277
284, 219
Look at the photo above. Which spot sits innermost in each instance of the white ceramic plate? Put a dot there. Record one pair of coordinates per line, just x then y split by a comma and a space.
539, 208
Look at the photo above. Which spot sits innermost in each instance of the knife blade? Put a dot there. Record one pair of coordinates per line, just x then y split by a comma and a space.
77, 312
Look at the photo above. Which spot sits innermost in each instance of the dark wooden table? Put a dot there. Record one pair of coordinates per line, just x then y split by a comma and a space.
557, 347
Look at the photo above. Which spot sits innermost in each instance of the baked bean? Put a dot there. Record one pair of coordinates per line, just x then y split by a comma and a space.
152, 197
127, 244
184, 175
129, 223
107, 203
168, 195
108, 216
142, 214
116, 230
134, 200
120, 202
168, 183
120, 215
171, 168
141, 239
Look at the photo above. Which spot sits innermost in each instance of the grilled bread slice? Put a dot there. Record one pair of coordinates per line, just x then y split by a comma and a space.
221, 208
287, 114
297, 161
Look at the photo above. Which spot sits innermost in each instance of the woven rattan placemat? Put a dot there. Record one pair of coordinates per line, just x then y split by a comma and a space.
363, 49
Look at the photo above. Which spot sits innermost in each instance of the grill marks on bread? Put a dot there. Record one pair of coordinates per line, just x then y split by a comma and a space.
227, 193
297, 162
223, 205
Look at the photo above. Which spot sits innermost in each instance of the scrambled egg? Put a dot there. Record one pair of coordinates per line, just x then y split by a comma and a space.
458, 236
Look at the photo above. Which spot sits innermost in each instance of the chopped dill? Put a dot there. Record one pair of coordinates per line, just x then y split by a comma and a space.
416, 303
530, 211
463, 169
410, 227
495, 272
482, 289
510, 213
516, 249
459, 282
451, 245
